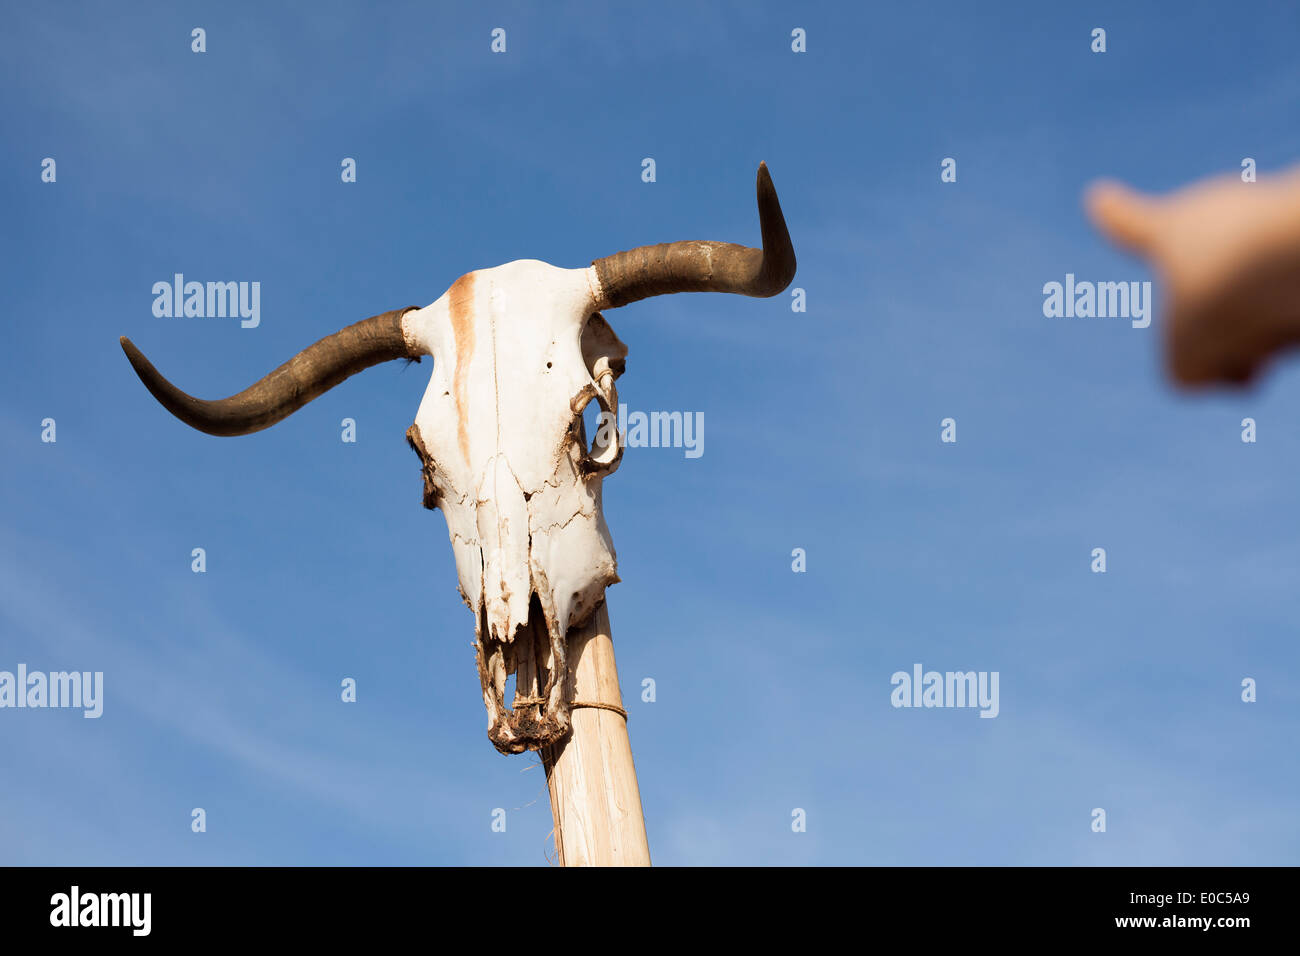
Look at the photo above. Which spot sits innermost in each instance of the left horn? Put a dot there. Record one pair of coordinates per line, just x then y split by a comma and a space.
309, 374
702, 266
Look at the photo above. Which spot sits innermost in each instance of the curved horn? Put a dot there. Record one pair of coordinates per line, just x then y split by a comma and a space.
310, 373
702, 266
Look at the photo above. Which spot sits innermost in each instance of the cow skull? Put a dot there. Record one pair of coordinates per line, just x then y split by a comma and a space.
519, 352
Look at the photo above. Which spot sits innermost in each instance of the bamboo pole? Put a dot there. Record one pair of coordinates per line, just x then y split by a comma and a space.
595, 801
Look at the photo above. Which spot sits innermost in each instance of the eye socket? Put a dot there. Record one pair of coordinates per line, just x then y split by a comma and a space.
596, 426
591, 416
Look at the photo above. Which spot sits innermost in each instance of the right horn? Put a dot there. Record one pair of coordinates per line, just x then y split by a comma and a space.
703, 266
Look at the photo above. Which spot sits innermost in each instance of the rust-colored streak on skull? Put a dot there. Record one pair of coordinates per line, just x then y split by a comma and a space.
460, 303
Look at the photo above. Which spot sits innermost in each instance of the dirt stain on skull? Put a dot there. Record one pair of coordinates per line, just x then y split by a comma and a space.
460, 302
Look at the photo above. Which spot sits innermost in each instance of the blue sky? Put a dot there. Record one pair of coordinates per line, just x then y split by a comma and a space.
1118, 690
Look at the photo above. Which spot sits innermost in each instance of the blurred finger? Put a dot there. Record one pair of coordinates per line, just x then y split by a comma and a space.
1126, 216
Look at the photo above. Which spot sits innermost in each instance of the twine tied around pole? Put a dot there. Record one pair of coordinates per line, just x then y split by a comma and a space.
598, 705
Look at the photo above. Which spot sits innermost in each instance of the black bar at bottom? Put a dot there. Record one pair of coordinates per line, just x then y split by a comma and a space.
181, 904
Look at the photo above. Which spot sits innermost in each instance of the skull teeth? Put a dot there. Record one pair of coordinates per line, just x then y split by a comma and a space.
539, 713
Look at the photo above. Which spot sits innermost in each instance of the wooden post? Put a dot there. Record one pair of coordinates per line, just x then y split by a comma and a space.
595, 801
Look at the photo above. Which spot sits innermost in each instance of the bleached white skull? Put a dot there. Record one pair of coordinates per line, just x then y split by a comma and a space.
519, 351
